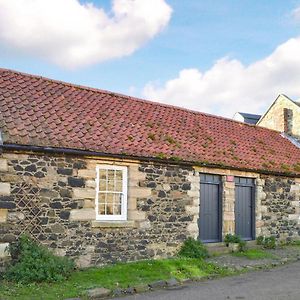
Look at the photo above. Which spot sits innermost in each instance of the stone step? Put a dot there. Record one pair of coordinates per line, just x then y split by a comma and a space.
221, 248
217, 248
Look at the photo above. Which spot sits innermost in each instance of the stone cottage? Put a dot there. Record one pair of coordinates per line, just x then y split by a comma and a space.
103, 177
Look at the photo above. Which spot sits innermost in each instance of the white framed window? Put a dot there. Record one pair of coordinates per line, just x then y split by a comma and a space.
111, 193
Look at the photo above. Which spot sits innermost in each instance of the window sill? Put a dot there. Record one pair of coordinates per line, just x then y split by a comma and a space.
113, 224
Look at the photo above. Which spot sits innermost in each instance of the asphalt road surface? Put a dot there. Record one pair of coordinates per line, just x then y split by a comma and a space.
278, 283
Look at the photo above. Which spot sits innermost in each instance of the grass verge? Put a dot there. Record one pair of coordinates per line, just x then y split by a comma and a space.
120, 275
255, 254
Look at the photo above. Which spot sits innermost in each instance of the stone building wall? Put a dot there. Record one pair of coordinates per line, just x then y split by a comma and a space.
275, 117
280, 208
53, 198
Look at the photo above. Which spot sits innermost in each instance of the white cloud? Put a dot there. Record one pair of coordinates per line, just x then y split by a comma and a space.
72, 34
296, 14
229, 86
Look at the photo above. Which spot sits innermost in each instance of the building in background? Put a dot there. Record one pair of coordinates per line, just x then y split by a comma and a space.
246, 118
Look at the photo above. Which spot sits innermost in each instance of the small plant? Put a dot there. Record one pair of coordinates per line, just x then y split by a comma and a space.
242, 246
231, 239
170, 139
32, 262
259, 240
285, 167
130, 138
266, 242
161, 155
192, 248
149, 124
235, 242
151, 136
297, 167
269, 242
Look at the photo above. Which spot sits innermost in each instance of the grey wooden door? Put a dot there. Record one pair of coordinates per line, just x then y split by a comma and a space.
210, 208
244, 208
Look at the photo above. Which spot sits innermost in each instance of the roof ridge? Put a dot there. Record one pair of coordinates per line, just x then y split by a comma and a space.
148, 101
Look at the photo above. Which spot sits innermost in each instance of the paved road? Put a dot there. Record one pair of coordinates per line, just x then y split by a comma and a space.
279, 283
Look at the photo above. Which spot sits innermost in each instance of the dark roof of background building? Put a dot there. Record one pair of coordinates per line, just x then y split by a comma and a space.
43, 112
250, 118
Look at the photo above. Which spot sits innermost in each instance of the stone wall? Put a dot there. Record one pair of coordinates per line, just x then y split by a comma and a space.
279, 207
52, 199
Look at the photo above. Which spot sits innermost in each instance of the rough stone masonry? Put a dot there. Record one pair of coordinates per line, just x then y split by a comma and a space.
52, 198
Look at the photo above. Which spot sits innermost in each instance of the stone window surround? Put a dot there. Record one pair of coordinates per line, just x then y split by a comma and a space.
123, 215
135, 218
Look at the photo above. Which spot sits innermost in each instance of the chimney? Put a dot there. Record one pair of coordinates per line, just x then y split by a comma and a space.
288, 121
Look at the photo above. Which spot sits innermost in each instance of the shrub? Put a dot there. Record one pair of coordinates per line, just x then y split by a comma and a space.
235, 239
242, 246
32, 262
269, 242
266, 242
259, 240
192, 248
231, 238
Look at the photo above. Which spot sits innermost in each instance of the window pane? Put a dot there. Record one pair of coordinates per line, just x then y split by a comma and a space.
118, 199
109, 209
119, 186
101, 198
102, 185
119, 175
111, 185
117, 209
110, 198
101, 209
111, 175
102, 174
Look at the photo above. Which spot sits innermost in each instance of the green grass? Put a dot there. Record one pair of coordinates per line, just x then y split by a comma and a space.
294, 243
254, 254
116, 276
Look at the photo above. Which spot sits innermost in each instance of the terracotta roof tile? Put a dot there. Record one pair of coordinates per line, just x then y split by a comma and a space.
44, 112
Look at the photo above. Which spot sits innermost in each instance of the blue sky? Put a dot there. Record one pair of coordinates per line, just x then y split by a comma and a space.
198, 34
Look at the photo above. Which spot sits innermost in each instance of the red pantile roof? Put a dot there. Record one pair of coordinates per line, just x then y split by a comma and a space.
42, 112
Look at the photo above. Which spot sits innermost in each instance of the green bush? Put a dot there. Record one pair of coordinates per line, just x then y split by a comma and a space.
231, 238
269, 242
32, 262
242, 246
235, 239
266, 242
259, 240
192, 248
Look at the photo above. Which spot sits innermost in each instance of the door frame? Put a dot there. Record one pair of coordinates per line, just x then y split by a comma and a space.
253, 205
220, 206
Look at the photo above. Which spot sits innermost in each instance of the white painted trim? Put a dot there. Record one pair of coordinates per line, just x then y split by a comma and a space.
123, 216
